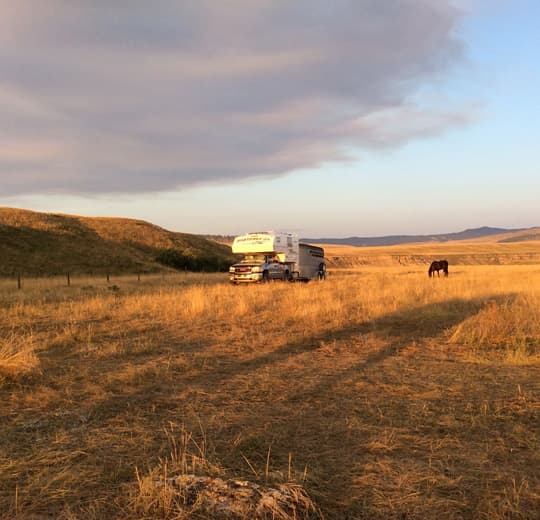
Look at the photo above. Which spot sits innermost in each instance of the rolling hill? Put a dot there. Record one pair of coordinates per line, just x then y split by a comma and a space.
482, 246
40, 244
482, 233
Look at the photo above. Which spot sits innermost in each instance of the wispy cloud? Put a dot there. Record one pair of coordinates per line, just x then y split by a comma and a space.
99, 97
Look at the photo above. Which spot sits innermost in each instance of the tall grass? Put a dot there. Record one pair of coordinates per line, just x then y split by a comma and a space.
17, 356
507, 329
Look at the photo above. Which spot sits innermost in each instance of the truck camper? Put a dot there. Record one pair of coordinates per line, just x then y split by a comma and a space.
269, 256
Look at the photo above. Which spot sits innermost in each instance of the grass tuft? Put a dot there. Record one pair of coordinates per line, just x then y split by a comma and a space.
506, 330
187, 485
17, 356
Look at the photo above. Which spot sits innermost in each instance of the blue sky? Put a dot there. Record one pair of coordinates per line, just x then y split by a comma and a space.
344, 122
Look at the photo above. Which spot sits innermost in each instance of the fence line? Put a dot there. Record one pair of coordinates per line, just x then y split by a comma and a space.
19, 281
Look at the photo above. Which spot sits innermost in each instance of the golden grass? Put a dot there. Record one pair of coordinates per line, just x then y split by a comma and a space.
173, 490
507, 328
17, 356
478, 252
381, 392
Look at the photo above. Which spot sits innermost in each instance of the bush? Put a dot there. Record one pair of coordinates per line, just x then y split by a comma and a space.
204, 262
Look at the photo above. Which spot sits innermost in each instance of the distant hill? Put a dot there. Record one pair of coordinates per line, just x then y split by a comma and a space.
46, 243
529, 234
507, 235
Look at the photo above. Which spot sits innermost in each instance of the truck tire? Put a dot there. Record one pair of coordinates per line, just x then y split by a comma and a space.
265, 277
287, 276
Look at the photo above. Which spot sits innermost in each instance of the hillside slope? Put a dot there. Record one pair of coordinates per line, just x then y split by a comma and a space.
483, 233
525, 236
46, 244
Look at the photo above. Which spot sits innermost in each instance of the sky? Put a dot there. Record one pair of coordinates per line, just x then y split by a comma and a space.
327, 118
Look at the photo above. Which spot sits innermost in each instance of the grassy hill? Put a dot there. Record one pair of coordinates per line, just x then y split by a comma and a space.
482, 234
46, 244
527, 235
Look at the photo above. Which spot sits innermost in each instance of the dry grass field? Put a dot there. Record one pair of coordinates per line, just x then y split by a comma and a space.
479, 252
381, 393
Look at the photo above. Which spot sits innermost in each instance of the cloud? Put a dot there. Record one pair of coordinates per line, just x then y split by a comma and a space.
100, 97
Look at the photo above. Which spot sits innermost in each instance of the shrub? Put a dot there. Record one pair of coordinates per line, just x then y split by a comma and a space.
203, 262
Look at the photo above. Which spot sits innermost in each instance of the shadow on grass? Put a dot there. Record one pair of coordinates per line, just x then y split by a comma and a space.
312, 419
401, 327
321, 404
398, 329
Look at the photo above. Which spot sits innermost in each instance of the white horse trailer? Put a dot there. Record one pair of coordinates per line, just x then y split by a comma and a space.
310, 263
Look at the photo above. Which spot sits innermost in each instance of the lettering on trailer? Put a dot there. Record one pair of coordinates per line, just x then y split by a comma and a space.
252, 238
318, 254
261, 239
257, 240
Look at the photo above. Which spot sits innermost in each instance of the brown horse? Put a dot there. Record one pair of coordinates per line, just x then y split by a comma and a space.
438, 265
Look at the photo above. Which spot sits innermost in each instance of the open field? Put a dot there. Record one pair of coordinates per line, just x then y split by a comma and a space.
384, 394
479, 252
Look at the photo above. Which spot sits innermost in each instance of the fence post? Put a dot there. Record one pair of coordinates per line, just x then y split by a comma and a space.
18, 280
108, 277
68, 279
138, 277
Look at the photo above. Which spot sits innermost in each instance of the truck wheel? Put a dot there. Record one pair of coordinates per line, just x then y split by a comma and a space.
265, 277
287, 276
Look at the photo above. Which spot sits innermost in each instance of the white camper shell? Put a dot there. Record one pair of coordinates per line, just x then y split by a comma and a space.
283, 244
275, 256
